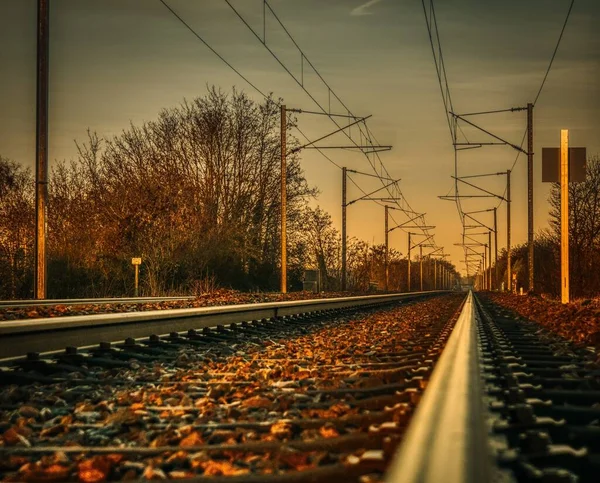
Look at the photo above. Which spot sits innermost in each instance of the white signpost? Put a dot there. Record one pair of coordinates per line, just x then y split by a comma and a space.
136, 262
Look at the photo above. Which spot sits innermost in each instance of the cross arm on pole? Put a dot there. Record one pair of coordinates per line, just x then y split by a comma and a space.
372, 176
414, 227
510, 109
368, 195
422, 243
478, 188
477, 211
380, 147
501, 173
477, 221
295, 150
502, 141
455, 197
406, 222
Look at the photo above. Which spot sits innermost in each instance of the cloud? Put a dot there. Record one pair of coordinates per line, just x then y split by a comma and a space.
364, 8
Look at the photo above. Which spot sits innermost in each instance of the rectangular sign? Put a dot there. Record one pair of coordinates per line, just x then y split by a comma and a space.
136, 261
551, 165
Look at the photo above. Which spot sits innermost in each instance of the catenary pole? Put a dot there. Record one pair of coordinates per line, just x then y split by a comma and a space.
283, 201
421, 266
490, 260
387, 273
564, 215
508, 264
495, 249
409, 247
530, 246
344, 239
41, 150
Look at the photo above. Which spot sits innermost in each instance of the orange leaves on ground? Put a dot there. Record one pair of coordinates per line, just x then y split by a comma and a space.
281, 429
257, 402
578, 322
335, 411
36, 473
10, 437
222, 468
96, 469
328, 431
193, 439
296, 460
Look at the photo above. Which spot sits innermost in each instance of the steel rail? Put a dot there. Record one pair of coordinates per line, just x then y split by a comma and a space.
447, 438
19, 337
5, 304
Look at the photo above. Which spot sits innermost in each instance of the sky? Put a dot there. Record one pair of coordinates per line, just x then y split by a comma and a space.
117, 62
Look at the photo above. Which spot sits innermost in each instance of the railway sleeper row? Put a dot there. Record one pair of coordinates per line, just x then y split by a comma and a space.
544, 400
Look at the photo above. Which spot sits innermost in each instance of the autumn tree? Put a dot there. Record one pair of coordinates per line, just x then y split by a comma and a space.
194, 192
16, 230
584, 229
323, 246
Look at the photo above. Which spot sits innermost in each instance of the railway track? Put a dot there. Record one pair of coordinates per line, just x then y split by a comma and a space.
322, 395
12, 304
19, 337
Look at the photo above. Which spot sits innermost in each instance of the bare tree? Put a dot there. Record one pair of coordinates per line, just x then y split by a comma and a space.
16, 229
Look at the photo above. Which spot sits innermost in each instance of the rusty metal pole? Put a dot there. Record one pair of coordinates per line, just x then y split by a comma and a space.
386, 260
483, 269
564, 215
444, 277
409, 247
435, 274
495, 249
41, 150
530, 246
490, 260
283, 201
508, 264
421, 265
344, 240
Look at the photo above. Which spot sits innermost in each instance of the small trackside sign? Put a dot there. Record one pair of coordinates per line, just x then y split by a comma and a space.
136, 261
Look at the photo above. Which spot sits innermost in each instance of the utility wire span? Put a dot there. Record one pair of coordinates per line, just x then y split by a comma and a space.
438, 60
546, 75
197, 35
554, 53
251, 84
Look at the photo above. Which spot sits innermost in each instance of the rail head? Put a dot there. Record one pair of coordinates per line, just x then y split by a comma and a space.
447, 436
11, 304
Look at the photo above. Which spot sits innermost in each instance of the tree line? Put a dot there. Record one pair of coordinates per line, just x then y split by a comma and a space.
196, 194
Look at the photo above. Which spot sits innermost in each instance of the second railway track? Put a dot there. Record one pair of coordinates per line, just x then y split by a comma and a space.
319, 397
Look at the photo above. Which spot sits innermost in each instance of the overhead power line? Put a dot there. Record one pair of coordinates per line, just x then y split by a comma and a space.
554, 53
197, 35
